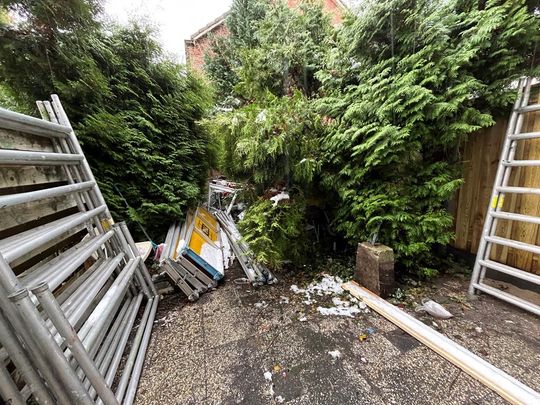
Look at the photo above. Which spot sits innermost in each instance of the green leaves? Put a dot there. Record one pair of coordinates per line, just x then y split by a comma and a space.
134, 111
406, 84
276, 234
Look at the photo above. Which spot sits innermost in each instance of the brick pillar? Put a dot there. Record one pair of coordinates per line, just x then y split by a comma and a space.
375, 268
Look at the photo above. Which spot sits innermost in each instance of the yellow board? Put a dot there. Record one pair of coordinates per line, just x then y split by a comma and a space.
205, 240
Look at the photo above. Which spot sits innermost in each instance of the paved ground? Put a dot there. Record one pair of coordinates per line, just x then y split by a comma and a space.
216, 351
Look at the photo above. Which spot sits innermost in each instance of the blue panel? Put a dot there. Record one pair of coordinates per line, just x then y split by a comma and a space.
216, 275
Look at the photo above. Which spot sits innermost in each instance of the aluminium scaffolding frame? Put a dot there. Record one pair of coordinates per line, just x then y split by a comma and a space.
65, 323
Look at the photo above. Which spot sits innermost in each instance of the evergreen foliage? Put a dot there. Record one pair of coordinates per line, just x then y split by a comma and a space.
272, 137
222, 62
276, 234
134, 111
405, 85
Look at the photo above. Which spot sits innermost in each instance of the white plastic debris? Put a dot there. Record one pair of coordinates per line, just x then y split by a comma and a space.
339, 311
261, 304
478, 329
261, 117
279, 197
268, 376
280, 399
434, 309
330, 285
336, 354
363, 360
302, 319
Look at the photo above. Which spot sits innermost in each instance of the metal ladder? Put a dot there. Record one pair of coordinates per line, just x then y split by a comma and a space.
495, 212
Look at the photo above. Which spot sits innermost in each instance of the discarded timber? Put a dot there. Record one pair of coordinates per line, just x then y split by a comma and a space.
503, 384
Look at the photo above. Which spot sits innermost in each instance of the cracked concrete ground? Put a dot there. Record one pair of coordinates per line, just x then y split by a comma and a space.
216, 350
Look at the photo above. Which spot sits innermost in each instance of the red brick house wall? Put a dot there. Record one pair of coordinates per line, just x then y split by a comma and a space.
199, 44
197, 48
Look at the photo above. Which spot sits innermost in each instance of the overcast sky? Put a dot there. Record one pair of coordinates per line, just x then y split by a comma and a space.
175, 20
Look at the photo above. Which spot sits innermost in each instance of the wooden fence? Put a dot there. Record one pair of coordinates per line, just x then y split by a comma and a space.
481, 157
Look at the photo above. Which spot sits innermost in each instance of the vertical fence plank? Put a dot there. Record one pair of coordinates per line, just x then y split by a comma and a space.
480, 161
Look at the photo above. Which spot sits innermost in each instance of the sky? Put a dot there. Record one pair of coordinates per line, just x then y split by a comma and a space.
175, 20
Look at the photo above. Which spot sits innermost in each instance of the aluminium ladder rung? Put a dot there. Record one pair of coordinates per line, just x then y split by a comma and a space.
524, 135
528, 108
31, 125
31, 196
513, 244
521, 163
518, 190
515, 217
512, 271
49, 232
18, 157
512, 299
58, 269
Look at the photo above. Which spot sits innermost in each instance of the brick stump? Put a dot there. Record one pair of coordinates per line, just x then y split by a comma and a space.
375, 268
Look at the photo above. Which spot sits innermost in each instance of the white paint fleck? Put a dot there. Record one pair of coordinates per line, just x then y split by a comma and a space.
336, 354
268, 376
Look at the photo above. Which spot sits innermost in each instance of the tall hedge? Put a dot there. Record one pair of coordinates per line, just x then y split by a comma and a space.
134, 111
404, 86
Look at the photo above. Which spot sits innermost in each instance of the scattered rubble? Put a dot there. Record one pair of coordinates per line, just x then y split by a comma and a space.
330, 285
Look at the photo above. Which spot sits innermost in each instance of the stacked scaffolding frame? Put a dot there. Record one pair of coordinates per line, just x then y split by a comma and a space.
66, 318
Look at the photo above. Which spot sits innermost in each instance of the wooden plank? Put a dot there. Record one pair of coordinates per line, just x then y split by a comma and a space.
495, 379
10, 139
13, 177
30, 212
464, 201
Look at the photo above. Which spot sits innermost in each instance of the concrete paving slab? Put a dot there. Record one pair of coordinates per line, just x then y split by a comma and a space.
216, 350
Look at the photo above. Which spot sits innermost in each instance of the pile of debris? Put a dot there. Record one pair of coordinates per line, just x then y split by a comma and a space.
197, 252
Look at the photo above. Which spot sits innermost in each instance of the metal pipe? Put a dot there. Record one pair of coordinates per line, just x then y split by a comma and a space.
23, 198
24, 248
114, 354
24, 366
34, 348
519, 190
132, 255
135, 377
63, 119
519, 302
8, 390
513, 244
19, 157
62, 325
133, 246
109, 343
36, 328
76, 307
74, 285
31, 125
130, 362
26, 236
105, 310
67, 262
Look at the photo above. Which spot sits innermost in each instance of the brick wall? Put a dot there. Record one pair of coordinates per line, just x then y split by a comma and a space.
197, 49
